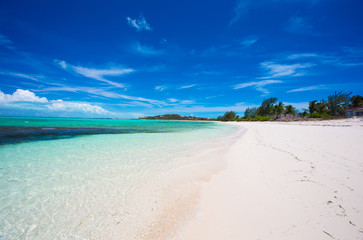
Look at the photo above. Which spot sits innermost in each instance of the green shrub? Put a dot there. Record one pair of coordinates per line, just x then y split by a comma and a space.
257, 119
317, 115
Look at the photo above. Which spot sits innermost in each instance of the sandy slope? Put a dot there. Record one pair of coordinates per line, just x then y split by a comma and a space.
301, 180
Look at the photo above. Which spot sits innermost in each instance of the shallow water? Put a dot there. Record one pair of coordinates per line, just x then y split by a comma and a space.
90, 178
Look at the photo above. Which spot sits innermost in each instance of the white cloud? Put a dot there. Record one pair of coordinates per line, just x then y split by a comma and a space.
303, 89
21, 95
282, 70
340, 60
108, 94
259, 86
141, 99
104, 93
21, 75
97, 74
59, 105
256, 84
21, 99
187, 86
139, 24
172, 100
62, 64
303, 55
186, 102
138, 48
160, 88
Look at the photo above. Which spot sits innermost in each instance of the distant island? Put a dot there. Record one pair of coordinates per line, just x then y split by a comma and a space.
175, 117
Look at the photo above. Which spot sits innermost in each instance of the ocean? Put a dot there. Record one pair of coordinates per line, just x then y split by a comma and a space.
99, 178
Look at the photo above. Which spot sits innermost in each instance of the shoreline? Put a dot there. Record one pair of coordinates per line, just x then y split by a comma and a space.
285, 180
179, 201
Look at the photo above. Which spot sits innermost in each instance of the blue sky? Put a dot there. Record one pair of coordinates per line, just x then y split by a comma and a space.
128, 59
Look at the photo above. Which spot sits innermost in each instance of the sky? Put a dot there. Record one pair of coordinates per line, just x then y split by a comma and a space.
128, 59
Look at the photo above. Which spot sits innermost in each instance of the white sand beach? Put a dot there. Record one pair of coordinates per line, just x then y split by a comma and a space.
286, 180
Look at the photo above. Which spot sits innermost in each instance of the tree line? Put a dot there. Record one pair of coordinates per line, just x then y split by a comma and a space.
173, 117
335, 105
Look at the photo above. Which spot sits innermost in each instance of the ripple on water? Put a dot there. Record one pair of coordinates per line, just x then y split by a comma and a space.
90, 185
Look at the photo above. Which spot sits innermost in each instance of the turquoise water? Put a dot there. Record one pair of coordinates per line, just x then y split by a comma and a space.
16, 130
90, 178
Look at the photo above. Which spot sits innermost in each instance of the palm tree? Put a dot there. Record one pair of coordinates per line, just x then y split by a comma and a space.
289, 109
312, 107
321, 107
279, 109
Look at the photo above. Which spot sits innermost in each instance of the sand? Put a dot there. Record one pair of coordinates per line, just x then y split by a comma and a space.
291, 180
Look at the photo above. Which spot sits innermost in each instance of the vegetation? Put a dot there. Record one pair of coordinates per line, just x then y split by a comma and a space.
334, 106
269, 109
174, 117
279, 109
356, 101
338, 102
228, 116
312, 107
251, 112
257, 118
289, 109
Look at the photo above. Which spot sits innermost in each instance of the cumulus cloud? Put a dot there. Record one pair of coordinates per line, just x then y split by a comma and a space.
21, 95
60, 105
259, 86
22, 99
139, 24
